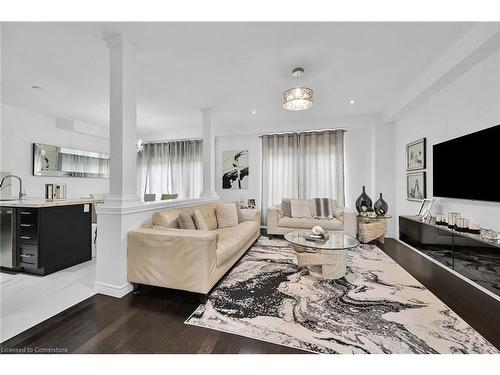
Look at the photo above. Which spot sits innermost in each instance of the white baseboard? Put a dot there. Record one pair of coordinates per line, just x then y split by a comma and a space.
113, 290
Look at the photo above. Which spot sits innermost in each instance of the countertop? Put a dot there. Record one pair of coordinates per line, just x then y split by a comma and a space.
41, 202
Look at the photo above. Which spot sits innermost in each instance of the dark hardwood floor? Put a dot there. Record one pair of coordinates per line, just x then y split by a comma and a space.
153, 322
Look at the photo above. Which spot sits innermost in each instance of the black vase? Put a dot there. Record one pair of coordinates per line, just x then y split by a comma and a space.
380, 206
363, 202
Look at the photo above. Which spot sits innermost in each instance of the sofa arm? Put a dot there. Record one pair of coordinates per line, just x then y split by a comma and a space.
172, 258
350, 223
272, 220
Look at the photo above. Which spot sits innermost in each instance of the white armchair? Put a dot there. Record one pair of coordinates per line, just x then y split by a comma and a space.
277, 224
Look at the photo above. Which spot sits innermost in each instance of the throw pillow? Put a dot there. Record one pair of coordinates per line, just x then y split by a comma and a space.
199, 220
186, 221
227, 216
286, 207
301, 208
323, 208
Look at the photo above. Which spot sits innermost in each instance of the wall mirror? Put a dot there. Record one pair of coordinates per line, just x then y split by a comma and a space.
49, 160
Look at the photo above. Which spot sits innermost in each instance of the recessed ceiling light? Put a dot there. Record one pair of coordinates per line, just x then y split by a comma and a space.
351, 101
36, 87
254, 111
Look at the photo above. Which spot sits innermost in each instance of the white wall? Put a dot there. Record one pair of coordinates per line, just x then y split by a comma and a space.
468, 104
20, 128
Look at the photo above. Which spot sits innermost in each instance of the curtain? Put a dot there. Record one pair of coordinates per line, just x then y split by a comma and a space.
302, 165
171, 168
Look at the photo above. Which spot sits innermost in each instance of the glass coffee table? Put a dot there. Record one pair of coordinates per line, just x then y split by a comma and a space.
325, 259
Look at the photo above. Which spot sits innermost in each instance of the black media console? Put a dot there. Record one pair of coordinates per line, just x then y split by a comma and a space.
467, 254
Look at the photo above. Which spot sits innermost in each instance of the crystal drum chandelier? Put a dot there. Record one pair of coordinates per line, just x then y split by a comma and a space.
298, 98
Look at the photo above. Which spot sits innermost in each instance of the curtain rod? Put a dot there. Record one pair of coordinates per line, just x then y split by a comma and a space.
173, 140
302, 131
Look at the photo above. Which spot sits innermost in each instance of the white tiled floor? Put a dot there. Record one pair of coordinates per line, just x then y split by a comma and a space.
26, 300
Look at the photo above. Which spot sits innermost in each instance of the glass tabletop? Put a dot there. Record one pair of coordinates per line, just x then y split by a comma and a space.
385, 217
336, 241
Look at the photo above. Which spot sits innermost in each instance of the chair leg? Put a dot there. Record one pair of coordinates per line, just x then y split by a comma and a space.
203, 298
137, 288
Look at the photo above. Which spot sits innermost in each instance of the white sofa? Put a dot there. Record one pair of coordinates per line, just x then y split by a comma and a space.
278, 224
161, 254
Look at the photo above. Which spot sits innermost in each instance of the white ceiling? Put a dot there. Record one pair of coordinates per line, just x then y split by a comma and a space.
231, 67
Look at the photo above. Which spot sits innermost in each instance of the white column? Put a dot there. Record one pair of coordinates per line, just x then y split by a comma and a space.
123, 121
113, 218
208, 155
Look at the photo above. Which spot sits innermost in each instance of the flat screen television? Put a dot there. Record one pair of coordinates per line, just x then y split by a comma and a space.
468, 167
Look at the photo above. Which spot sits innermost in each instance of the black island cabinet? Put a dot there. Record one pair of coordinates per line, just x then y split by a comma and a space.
49, 239
468, 254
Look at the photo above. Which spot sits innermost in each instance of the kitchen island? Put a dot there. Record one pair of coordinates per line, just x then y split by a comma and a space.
47, 235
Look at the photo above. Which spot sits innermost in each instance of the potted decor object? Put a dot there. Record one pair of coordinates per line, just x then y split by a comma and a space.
363, 203
381, 207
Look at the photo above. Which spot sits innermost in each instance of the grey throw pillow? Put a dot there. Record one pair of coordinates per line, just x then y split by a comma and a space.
323, 208
186, 221
286, 207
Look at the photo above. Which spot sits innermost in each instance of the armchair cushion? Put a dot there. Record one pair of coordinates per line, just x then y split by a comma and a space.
301, 208
309, 222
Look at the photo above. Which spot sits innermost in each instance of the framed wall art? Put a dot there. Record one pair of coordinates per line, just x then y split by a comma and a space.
416, 186
416, 155
235, 169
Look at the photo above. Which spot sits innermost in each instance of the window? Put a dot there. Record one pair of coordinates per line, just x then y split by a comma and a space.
302, 165
171, 168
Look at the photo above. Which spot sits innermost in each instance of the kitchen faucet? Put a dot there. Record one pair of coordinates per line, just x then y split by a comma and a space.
21, 194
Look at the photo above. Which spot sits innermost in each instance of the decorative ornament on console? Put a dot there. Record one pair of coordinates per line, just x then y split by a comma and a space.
381, 207
364, 202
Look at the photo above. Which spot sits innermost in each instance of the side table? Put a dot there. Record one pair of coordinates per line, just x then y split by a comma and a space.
372, 228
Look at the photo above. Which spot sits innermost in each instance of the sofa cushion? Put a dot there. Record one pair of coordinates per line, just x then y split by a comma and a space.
175, 230
301, 208
227, 216
167, 218
186, 220
199, 220
323, 208
232, 239
308, 223
208, 212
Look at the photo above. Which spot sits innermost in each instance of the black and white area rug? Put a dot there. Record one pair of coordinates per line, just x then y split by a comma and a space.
267, 297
